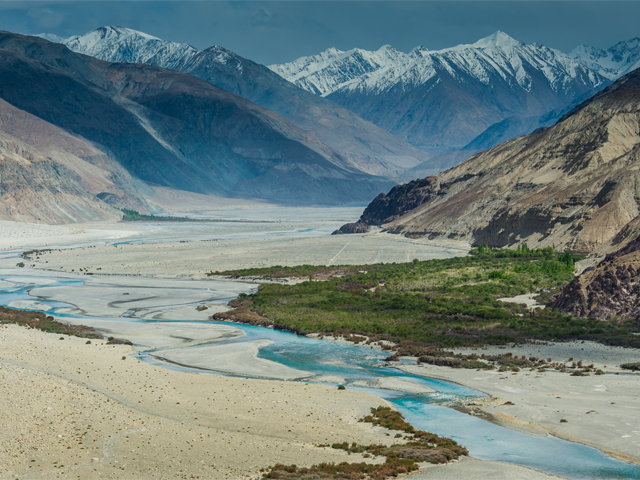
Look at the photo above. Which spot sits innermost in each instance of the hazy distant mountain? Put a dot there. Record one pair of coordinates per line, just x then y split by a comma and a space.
613, 62
170, 129
370, 148
573, 185
443, 100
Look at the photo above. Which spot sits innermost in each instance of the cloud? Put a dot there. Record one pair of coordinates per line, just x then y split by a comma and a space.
262, 18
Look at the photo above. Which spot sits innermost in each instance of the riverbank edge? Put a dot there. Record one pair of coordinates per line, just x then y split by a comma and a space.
516, 424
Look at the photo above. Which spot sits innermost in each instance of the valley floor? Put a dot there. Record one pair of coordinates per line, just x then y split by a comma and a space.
93, 411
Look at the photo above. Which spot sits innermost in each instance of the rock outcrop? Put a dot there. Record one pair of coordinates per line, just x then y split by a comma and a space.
387, 208
574, 185
611, 289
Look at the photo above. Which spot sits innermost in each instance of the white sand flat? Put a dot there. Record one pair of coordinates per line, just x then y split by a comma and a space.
240, 358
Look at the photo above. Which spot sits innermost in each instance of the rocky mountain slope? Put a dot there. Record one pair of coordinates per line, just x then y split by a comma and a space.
48, 175
574, 185
370, 148
610, 289
469, 96
171, 129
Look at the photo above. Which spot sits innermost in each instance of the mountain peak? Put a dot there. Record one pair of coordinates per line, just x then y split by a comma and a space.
119, 44
103, 35
386, 48
110, 31
497, 39
51, 37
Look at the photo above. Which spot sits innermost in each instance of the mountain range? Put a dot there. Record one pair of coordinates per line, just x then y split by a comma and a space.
426, 104
370, 148
574, 185
465, 97
81, 135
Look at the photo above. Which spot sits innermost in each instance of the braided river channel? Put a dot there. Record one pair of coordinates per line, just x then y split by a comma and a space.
150, 316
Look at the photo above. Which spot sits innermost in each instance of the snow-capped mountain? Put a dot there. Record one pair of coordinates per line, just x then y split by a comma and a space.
442, 100
613, 62
51, 37
379, 71
117, 44
369, 148
471, 96
328, 71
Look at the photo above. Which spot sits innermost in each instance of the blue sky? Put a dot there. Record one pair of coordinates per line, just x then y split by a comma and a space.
273, 32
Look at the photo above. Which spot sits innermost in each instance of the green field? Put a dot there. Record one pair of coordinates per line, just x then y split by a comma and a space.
436, 303
134, 216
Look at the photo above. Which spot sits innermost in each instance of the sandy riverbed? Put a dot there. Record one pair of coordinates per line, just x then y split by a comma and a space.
194, 259
81, 411
220, 427
84, 410
600, 410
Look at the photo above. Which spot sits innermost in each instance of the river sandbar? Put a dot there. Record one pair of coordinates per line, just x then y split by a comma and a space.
81, 409
240, 358
602, 411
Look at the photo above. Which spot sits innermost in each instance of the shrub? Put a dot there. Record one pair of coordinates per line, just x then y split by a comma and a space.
635, 367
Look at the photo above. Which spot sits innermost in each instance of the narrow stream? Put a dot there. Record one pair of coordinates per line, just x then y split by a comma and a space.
334, 363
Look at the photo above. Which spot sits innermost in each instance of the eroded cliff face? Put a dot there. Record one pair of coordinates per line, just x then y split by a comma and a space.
612, 288
50, 176
575, 185
35, 189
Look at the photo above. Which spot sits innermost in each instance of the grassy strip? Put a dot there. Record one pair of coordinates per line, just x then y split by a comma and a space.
133, 216
400, 458
434, 304
45, 323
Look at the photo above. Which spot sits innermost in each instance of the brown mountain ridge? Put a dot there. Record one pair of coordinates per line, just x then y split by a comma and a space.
575, 185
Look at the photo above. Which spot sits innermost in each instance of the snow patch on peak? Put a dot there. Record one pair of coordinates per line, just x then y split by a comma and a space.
613, 62
119, 44
497, 39
102, 35
51, 37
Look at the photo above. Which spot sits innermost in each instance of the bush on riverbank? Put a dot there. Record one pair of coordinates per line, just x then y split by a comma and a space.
635, 367
439, 303
45, 323
400, 458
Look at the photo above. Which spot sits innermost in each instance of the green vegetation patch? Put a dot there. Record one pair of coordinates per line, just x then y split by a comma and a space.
45, 323
438, 303
133, 216
353, 471
634, 367
400, 458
